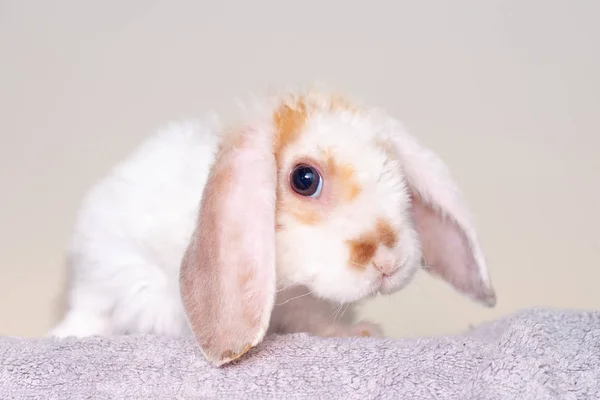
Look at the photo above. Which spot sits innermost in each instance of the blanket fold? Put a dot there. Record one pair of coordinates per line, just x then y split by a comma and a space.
533, 354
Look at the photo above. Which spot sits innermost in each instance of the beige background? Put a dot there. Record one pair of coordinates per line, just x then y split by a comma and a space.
507, 92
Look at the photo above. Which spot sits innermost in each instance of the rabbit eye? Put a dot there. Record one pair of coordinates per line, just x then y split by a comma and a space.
306, 181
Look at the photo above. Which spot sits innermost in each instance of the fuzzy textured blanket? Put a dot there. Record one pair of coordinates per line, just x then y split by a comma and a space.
534, 354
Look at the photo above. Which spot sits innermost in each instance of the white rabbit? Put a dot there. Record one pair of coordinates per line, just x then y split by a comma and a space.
276, 224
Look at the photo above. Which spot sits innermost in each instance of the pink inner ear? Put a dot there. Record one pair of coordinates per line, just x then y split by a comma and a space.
449, 244
448, 253
228, 273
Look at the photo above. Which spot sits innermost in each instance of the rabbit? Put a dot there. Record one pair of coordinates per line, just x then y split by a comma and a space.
279, 223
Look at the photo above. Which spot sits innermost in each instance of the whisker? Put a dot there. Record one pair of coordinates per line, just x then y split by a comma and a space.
285, 288
356, 264
330, 315
337, 311
342, 314
294, 298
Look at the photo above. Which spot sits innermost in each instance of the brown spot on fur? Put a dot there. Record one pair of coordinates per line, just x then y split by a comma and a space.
365, 333
386, 233
230, 354
227, 354
362, 250
343, 176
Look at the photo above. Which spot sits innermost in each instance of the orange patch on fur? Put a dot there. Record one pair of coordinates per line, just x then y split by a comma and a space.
362, 250
346, 177
289, 120
230, 355
306, 217
290, 117
299, 211
343, 176
386, 233
288, 204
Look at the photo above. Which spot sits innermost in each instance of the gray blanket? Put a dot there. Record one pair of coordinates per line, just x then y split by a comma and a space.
535, 354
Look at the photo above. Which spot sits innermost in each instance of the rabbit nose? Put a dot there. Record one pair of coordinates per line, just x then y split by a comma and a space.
384, 261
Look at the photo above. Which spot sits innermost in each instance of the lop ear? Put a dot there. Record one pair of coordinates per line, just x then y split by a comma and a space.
227, 276
448, 239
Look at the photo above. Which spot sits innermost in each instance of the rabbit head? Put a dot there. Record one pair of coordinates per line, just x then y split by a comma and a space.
319, 192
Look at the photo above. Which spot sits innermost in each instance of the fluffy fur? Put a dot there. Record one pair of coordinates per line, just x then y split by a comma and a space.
198, 231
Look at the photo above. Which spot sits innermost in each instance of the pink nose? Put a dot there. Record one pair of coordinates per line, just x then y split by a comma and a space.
384, 261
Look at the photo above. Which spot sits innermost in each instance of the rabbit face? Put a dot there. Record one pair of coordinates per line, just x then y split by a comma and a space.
343, 221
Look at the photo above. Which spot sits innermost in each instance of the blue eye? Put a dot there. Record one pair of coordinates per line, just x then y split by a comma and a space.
306, 181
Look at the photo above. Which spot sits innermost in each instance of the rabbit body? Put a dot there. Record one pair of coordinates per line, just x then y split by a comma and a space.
280, 224
130, 236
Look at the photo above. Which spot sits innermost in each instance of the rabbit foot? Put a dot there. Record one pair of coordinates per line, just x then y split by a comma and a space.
365, 328
361, 328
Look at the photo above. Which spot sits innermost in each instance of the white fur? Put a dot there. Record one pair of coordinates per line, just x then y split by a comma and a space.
131, 233
323, 266
134, 226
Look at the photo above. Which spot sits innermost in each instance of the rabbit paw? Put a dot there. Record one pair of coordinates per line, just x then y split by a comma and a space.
366, 328
361, 328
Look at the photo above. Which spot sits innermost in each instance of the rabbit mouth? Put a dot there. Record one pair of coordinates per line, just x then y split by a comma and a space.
389, 284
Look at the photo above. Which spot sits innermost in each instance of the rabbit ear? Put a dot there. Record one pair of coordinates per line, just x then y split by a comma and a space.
227, 277
448, 239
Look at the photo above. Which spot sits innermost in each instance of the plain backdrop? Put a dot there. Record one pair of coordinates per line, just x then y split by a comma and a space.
506, 92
